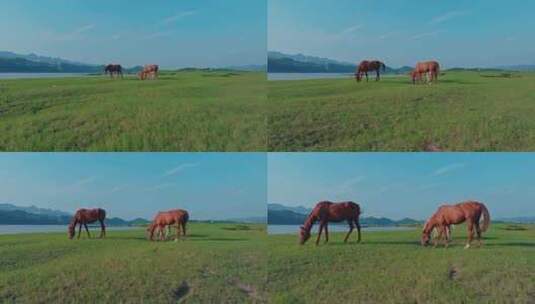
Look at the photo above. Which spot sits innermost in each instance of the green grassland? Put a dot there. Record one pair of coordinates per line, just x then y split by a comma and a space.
183, 111
465, 111
392, 267
216, 263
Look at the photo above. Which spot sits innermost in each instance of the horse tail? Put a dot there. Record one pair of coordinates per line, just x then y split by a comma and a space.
186, 217
486, 218
358, 211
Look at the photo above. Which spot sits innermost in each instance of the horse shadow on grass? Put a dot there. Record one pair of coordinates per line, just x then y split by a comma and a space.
220, 239
453, 81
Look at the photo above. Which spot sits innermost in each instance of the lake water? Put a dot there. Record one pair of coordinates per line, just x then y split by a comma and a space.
305, 76
294, 229
39, 75
17, 229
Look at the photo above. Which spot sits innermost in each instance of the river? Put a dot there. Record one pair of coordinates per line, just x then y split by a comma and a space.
17, 229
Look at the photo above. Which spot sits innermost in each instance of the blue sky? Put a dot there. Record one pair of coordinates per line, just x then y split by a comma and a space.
172, 33
464, 33
398, 185
130, 185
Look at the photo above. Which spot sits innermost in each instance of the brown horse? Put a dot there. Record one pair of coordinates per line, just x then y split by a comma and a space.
368, 66
84, 217
176, 217
149, 71
429, 68
114, 69
447, 215
326, 212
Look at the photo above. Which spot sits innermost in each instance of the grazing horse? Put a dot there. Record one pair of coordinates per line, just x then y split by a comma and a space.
150, 70
84, 217
164, 219
368, 66
114, 69
326, 212
447, 215
430, 68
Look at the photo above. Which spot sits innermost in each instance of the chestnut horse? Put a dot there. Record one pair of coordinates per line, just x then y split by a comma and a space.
326, 212
114, 69
164, 219
84, 217
150, 70
447, 215
430, 68
368, 66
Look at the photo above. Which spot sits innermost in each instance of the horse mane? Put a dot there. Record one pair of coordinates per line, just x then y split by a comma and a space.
309, 222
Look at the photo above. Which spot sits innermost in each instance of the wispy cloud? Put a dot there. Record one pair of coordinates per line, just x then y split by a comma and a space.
159, 187
348, 186
351, 29
84, 28
447, 16
84, 181
180, 168
424, 35
448, 169
386, 35
118, 188
158, 35
72, 35
177, 17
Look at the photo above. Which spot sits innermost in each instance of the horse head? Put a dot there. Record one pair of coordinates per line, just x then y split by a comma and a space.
414, 76
426, 234
304, 235
71, 231
150, 231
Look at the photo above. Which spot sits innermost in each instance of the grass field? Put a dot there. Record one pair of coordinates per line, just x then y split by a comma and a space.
466, 111
391, 267
217, 263
185, 111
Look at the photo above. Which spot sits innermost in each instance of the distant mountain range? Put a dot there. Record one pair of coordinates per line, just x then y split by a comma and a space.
284, 63
16, 215
279, 214
31, 63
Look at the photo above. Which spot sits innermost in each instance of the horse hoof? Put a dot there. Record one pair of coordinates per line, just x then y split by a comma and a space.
467, 246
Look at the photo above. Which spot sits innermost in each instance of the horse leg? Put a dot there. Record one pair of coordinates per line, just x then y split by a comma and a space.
435, 240
366, 76
351, 227
184, 228
177, 230
87, 230
445, 232
102, 229
378, 76
478, 232
79, 230
470, 234
319, 233
326, 233
357, 223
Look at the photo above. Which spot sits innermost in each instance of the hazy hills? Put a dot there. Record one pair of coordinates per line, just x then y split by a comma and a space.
16, 215
31, 63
